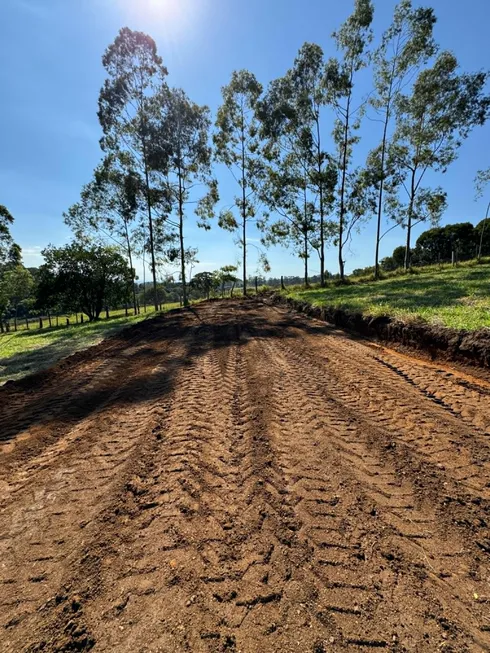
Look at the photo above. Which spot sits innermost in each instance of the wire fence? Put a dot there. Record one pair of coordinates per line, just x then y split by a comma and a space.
47, 320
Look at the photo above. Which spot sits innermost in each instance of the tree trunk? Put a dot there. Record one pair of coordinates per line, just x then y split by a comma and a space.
383, 160
342, 188
305, 236
244, 212
322, 212
306, 258
480, 247
150, 225
130, 258
409, 226
181, 240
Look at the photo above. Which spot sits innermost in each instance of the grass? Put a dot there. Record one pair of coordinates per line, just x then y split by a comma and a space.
26, 352
457, 297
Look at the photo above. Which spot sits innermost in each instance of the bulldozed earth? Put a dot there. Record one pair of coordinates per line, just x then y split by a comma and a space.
237, 477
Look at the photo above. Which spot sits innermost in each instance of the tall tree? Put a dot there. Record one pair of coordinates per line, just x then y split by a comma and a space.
286, 193
301, 173
181, 154
6, 220
134, 71
431, 124
406, 45
481, 182
108, 207
236, 145
352, 40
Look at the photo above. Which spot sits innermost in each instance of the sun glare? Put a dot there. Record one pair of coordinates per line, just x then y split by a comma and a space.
176, 18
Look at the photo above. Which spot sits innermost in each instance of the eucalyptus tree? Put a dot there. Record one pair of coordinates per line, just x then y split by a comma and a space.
236, 144
301, 173
108, 208
134, 71
6, 220
181, 155
286, 193
352, 39
405, 46
431, 124
481, 182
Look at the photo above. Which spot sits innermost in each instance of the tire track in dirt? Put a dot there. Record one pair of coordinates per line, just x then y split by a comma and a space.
433, 429
239, 492
55, 504
407, 541
218, 560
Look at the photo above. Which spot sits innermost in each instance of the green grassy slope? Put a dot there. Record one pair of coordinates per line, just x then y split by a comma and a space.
456, 297
26, 352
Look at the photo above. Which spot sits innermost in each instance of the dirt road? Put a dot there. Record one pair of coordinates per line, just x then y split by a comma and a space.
238, 478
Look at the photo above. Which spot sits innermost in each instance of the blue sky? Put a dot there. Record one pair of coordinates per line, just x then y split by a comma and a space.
51, 73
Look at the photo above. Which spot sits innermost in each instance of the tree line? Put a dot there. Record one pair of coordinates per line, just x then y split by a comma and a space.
461, 241
291, 147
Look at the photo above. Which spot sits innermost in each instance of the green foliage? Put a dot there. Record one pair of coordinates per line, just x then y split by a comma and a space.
83, 278
405, 46
300, 177
432, 122
205, 282
437, 245
126, 101
226, 276
16, 284
355, 199
180, 154
237, 146
6, 220
481, 182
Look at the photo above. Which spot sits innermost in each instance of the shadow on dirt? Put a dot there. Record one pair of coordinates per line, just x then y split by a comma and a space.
134, 366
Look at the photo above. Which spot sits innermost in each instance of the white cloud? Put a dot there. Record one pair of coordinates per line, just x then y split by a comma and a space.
32, 257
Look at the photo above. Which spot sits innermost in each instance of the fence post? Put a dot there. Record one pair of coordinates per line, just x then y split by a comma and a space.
57, 321
107, 312
126, 310
49, 319
40, 322
282, 283
15, 323
256, 286
67, 321
76, 318
81, 318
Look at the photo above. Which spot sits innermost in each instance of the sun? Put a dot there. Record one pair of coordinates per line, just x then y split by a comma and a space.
169, 9
175, 18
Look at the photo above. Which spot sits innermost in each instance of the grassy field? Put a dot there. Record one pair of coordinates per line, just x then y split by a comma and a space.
456, 297
26, 352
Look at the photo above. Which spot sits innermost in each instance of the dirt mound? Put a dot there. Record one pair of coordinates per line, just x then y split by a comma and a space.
439, 342
241, 478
